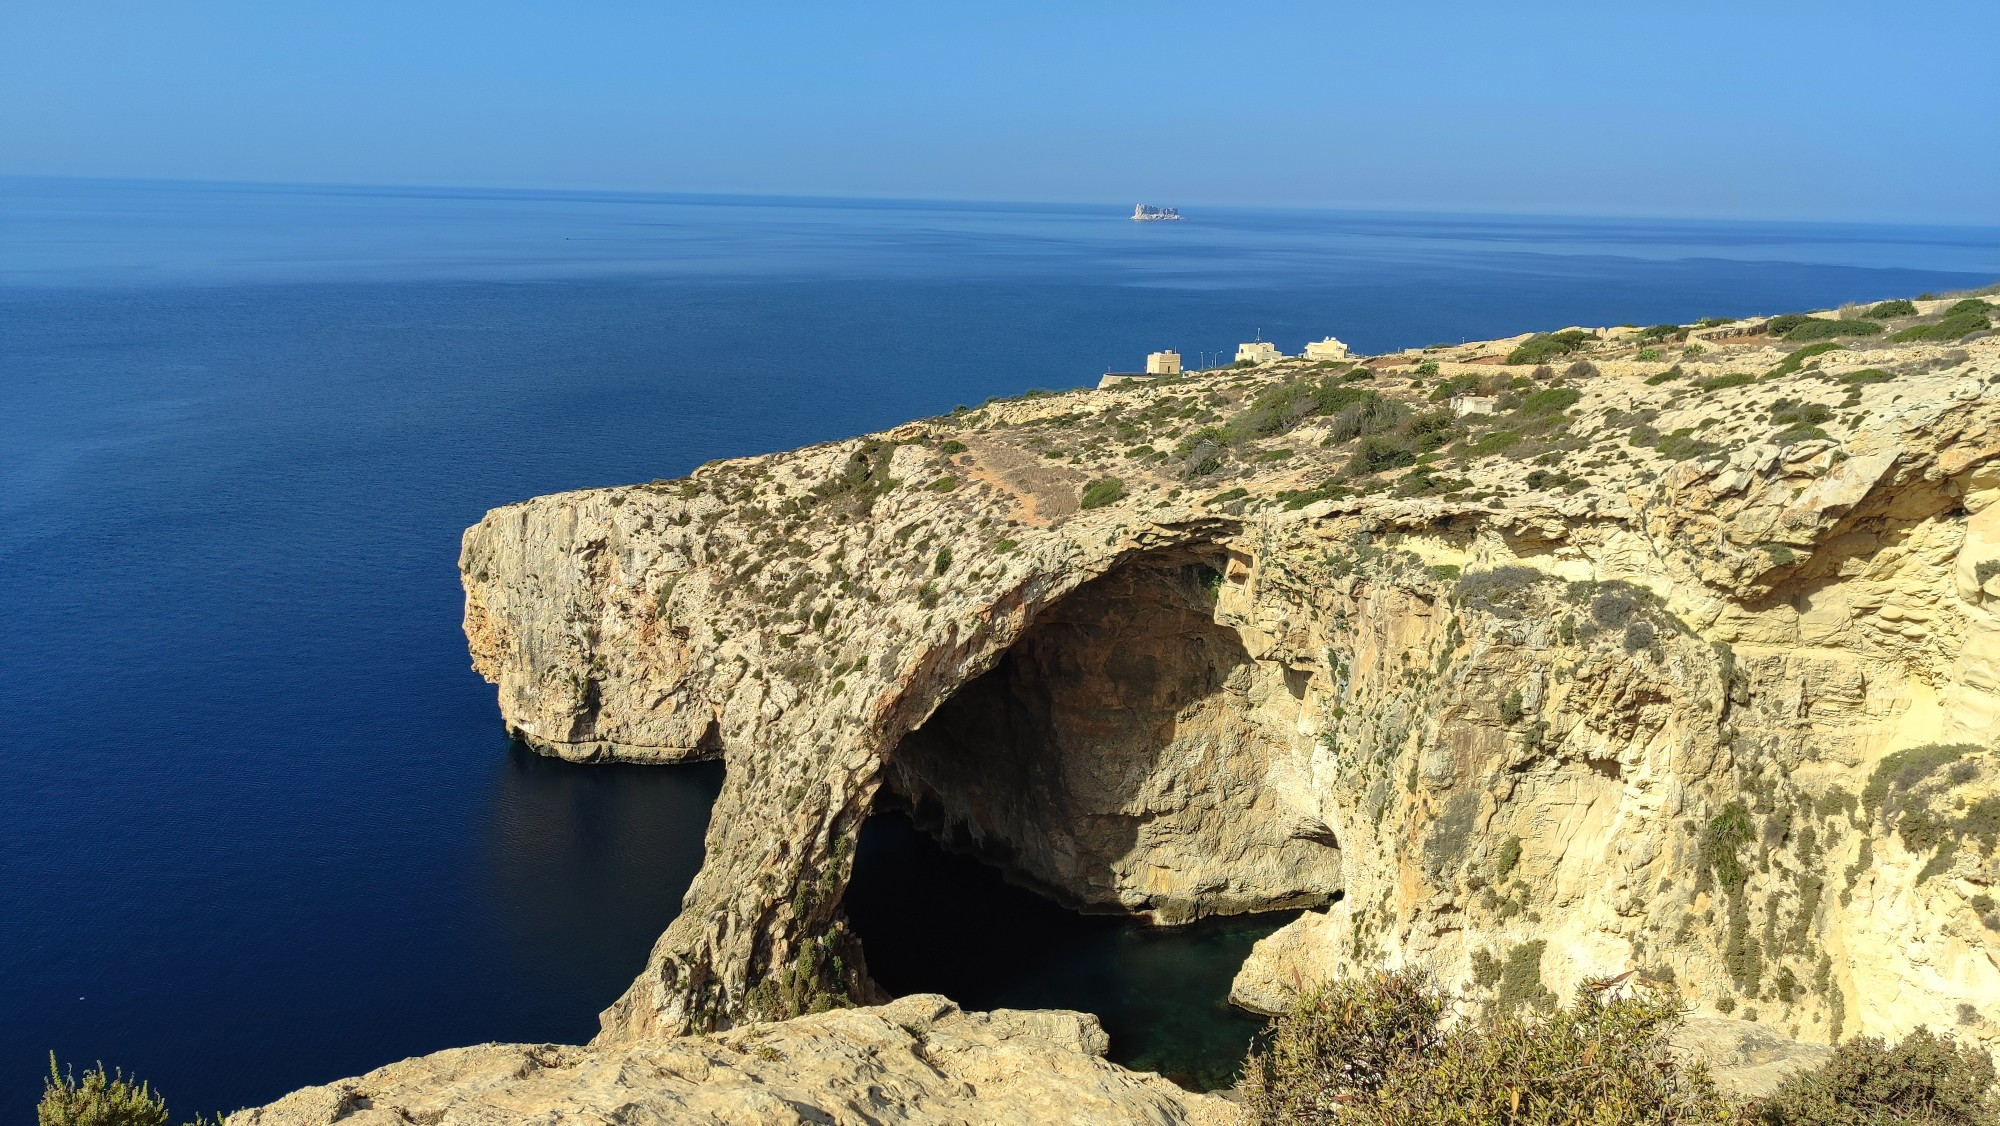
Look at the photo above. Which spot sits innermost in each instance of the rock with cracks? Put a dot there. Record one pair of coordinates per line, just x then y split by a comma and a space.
1593, 682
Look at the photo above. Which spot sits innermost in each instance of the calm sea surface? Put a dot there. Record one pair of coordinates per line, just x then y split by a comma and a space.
261, 827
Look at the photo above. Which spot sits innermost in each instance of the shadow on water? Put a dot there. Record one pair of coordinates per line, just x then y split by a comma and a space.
932, 921
588, 864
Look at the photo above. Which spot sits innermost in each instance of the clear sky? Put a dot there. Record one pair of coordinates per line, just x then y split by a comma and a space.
1887, 111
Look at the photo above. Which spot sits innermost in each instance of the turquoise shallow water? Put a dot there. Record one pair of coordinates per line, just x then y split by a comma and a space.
262, 828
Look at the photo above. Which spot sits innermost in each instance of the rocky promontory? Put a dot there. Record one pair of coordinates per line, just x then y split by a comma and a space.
1665, 650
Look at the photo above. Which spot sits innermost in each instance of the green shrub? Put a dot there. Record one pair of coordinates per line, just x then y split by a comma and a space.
1948, 329
1899, 773
1430, 431
951, 446
1660, 332
1376, 1051
1202, 452
1545, 346
1723, 382
1340, 1042
1779, 326
1452, 388
1969, 305
1797, 359
1674, 372
1908, 796
1424, 481
1722, 841
1504, 862
1521, 978
1549, 400
1511, 708
1814, 328
1927, 1080
1380, 452
1370, 414
1897, 308
1101, 492
1277, 410
863, 477
1428, 367
99, 1100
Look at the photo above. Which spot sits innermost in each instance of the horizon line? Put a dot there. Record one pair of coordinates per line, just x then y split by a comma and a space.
636, 194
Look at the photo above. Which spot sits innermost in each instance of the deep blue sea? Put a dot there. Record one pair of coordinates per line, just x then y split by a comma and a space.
261, 827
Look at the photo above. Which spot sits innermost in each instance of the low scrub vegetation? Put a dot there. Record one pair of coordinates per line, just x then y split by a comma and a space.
1379, 1050
100, 1098
1954, 326
1388, 1048
1927, 1080
1797, 359
1545, 346
1910, 793
1815, 328
1101, 492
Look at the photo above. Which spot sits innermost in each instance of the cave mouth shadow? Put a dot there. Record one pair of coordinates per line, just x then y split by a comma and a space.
936, 921
1118, 757
1107, 775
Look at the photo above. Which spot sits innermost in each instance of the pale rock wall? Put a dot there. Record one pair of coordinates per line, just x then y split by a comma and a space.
1475, 773
917, 1062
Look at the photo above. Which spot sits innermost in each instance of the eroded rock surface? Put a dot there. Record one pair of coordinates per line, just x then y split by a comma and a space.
1599, 684
918, 1061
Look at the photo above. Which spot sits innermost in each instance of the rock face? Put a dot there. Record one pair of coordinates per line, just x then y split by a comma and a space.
916, 1061
1650, 668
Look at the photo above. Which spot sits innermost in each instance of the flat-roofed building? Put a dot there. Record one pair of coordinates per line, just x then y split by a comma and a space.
1163, 363
1328, 349
1258, 352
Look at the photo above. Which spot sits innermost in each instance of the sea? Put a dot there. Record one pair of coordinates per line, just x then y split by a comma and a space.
261, 826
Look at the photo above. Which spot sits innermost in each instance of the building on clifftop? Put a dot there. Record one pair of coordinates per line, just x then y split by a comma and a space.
1328, 349
1258, 352
1158, 365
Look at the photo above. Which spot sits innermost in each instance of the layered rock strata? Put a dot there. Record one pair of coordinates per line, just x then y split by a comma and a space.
1686, 669
916, 1061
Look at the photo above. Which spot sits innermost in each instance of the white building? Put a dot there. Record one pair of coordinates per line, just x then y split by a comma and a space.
1328, 349
1163, 363
1258, 352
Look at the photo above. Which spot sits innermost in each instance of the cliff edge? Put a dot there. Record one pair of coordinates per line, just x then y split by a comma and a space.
1529, 661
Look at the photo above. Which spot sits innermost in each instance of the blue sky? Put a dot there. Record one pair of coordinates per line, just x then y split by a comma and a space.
1770, 110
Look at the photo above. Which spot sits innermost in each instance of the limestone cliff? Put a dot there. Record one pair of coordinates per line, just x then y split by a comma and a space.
1523, 674
917, 1061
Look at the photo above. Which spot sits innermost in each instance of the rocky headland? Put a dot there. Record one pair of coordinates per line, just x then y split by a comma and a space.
1532, 661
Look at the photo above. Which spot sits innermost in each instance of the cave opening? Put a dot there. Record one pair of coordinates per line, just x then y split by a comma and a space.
1107, 820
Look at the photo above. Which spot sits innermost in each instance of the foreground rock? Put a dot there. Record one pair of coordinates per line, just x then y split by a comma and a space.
1634, 665
918, 1060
